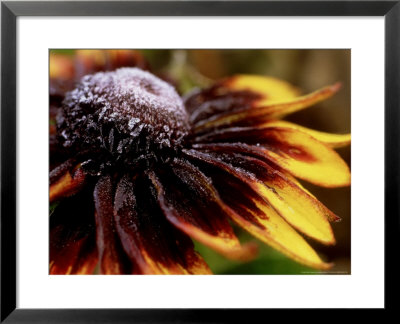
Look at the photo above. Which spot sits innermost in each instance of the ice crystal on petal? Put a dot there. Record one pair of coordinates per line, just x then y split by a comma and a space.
124, 111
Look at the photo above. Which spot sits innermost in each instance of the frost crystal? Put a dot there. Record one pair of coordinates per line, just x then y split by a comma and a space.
127, 111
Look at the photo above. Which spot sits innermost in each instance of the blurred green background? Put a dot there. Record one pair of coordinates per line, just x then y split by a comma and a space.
309, 70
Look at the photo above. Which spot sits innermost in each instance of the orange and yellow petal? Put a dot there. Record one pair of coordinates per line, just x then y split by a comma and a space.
272, 229
332, 140
300, 103
72, 238
300, 209
270, 90
292, 150
296, 206
251, 210
149, 240
305, 157
67, 185
190, 202
74, 257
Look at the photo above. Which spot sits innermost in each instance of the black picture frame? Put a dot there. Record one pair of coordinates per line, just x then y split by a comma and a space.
10, 10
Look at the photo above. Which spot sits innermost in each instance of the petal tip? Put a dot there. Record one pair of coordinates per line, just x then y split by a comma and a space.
326, 266
336, 219
336, 87
331, 241
247, 252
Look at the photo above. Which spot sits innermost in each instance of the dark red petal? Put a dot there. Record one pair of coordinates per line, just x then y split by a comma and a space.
72, 237
72, 256
212, 101
190, 202
60, 170
68, 184
147, 237
108, 245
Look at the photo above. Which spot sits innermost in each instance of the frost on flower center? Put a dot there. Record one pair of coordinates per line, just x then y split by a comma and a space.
127, 112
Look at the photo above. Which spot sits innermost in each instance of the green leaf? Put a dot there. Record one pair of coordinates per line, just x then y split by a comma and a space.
269, 261
53, 207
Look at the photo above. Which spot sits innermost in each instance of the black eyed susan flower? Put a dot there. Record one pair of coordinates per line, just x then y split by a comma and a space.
138, 172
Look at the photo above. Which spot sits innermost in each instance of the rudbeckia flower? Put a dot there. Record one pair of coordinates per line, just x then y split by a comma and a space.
137, 172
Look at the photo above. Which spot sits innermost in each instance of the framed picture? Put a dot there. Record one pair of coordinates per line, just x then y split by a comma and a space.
180, 144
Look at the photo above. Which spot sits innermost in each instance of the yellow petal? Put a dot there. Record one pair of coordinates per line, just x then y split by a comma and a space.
297, 182
332, 140
270, 89
262, 114
297, 207
280, 235
299, 103
261, 220
299, 210
305, 157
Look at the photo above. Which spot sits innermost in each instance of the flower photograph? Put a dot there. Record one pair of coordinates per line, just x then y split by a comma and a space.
200, 161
